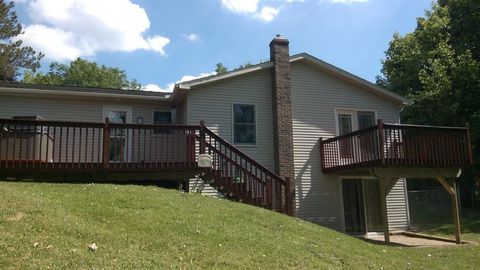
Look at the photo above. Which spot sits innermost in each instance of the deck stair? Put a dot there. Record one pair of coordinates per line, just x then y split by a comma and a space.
239, 176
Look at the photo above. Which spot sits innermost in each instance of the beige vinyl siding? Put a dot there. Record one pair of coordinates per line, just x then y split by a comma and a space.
74, 109
59, 108
183, 111
315, 97
397, 205
213, 104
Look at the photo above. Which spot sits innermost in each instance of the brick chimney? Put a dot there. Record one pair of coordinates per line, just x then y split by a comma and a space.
282, 113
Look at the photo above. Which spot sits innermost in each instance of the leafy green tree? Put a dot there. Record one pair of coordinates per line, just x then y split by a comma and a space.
248, 64
437, 66
83, 73
14, 57
220, 68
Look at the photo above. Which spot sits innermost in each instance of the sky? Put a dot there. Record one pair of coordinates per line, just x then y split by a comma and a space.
161, 42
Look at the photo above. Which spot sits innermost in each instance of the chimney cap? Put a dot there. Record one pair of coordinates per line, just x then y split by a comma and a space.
279, 39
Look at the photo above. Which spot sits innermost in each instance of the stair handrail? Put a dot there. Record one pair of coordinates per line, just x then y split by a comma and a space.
244, 155
278, 200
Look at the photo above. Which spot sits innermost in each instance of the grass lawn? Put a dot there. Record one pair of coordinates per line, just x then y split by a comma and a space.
145, 227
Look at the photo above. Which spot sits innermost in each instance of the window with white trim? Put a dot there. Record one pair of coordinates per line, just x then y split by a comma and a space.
352, 120
244, 124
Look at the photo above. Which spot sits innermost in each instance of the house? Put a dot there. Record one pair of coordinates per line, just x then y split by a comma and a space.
294, 134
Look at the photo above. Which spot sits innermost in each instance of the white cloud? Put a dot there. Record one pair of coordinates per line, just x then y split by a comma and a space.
157, 43
241, 6
268, 14
67, 29
345, 1
155, 88
191, 37
250, 7
191, 77
170, 86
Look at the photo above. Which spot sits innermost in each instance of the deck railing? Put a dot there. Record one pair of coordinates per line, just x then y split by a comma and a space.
397, 145
26, 145
65, 145
244, 176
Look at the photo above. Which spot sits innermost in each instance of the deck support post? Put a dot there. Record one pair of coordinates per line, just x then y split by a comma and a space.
383, 202
452, 191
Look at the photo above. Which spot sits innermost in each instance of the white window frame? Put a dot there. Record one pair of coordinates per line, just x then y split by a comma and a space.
354, 112
128, 109
118, 108
255, 124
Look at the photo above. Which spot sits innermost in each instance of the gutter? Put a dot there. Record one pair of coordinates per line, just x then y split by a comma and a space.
82, 94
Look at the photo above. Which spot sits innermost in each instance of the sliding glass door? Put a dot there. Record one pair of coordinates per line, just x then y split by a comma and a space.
361, 206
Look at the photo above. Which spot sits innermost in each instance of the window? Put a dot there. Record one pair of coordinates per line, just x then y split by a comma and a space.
344, 123
162, 118
244, 126
352, 120
365, 119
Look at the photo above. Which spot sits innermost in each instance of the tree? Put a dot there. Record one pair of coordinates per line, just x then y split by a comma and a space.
248, 64
220, 68
14, 57
437, 66
83, 73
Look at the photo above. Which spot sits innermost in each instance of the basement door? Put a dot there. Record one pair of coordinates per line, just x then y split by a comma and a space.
361, 206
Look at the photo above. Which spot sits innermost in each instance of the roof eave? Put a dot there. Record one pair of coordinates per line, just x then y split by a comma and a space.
375, 89
347, 75
83, 94
201, 81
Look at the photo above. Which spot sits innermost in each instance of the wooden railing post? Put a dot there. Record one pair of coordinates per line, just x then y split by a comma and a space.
202, 137
469, 145
191, 146
106, 144
269, 193
381, 141
322, 154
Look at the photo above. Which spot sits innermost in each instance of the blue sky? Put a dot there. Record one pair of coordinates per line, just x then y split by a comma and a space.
161, 42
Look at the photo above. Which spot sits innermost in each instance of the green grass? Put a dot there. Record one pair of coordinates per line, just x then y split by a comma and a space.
145, 227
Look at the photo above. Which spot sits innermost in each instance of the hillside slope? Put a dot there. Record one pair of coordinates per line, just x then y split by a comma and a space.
51, 226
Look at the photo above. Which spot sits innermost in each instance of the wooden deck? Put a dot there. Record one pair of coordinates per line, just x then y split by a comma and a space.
61, 146
389, 152
97, 152
400, 147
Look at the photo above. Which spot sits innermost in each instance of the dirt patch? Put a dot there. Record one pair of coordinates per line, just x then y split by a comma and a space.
17, 217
